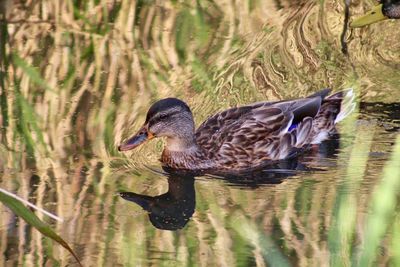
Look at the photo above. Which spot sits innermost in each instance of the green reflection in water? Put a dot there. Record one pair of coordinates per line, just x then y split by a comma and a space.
77, 77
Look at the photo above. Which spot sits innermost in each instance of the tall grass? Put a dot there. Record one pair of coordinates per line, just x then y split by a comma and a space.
382, 214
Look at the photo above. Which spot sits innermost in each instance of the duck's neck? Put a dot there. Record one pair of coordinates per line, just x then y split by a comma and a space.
181, 144
184, 154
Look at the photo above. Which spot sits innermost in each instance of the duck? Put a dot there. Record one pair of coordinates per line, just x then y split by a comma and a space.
241, 138
387, 9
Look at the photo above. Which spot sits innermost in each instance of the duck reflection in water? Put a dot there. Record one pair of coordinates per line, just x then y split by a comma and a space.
173, 209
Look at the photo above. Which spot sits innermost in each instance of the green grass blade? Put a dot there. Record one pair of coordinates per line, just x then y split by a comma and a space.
341, 234
395, 244
31, 72
3, 73
29, 217
184, 24
383, 205
271, 252
28, 118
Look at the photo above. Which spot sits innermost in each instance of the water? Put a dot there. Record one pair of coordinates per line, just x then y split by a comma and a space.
79, 78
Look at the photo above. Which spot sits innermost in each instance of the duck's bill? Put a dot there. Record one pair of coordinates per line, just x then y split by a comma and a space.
141, 200
374, 15
142, 136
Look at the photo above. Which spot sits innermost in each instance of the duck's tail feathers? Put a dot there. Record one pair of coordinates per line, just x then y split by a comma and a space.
303, 132
347, 104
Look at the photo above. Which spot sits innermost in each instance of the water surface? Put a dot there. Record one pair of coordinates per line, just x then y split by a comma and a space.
78, 77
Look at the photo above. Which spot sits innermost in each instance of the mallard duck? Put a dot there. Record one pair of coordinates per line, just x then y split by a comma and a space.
241, 138
387, 9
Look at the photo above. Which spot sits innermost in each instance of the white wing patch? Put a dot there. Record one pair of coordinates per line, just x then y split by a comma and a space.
347, 106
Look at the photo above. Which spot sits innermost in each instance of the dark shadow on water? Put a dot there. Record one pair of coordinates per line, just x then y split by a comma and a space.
386, 114
171, 210
272, 174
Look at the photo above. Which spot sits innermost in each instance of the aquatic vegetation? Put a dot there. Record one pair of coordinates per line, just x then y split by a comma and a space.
75, 74
21, 211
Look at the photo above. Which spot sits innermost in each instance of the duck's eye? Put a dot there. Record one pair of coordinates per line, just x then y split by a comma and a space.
163, 116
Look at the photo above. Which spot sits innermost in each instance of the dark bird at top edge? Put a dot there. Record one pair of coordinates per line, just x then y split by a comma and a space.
242, 138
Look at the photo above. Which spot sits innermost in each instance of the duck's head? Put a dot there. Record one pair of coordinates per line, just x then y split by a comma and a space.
170, 118
388, 9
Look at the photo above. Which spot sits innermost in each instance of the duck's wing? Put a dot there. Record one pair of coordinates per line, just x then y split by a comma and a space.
213, 129
260, 132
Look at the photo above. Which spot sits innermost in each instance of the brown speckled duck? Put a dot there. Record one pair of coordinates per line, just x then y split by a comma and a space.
241, 138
